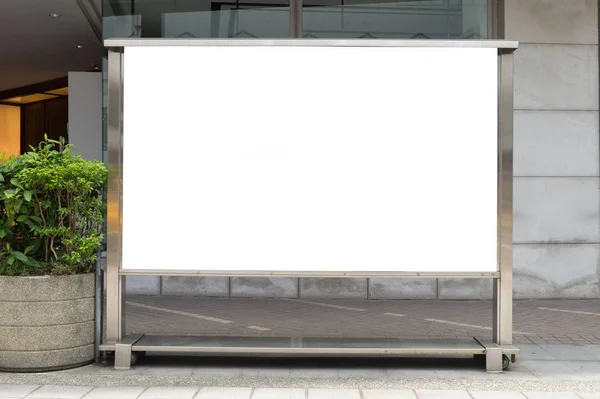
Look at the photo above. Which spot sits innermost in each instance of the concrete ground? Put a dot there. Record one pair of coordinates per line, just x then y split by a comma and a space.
541, 371
535, 321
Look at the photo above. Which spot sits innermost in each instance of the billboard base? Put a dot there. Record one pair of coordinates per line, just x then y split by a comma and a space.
129, 348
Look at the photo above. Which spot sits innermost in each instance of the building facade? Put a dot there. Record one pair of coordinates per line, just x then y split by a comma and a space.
556, 127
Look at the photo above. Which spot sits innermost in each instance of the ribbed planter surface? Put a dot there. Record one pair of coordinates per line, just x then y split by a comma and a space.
46, 323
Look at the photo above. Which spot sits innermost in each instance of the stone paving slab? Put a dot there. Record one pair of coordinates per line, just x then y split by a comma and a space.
16, 391
551, 395
570, 322
58, 392
281, 393
220, 393
169, 393
389, 394
333, 393
496, 395
438, 393
115, 393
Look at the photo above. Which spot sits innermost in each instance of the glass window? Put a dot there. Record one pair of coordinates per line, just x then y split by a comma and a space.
417, 19
197, 18
435, 19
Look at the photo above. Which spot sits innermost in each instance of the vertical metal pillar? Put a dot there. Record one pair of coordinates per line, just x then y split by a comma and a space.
98, 306
496, 19
295, 19
115, 283
502, 325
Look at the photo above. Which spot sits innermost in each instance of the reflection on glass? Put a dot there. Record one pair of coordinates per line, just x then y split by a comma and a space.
197, 18
435, 19
229, 22
122, 26
418, 19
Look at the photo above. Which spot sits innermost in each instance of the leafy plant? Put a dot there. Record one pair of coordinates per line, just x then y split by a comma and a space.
52, 211
17, 220
17, 259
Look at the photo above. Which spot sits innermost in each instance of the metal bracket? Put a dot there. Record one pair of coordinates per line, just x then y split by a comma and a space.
494, 354
493, 358
123, 351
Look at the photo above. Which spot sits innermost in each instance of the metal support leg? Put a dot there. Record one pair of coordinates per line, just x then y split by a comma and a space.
123, 352
493, 359
115, 309
122, 356
496, 356
502, 323
98, 307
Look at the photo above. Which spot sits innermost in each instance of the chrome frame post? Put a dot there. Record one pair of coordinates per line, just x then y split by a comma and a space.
502, 324
98, 306
296, 19
115, 283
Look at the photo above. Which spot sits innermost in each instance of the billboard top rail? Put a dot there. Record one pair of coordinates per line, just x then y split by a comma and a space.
506, 45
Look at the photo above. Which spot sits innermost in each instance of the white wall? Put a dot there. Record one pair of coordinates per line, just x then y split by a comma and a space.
85, 113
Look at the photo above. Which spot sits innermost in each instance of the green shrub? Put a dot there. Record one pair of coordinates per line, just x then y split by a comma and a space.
52, 211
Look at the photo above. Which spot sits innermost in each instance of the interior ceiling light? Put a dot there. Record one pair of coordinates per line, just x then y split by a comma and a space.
78, 46
54, 15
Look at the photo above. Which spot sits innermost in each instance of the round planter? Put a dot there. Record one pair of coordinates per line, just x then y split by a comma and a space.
47, 322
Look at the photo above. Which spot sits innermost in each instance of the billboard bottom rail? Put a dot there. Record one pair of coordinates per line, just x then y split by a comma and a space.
127, 351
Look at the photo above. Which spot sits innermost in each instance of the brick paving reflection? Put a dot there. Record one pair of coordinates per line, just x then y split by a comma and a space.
554, 324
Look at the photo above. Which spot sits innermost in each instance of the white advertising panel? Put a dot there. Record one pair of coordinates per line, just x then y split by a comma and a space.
310, 159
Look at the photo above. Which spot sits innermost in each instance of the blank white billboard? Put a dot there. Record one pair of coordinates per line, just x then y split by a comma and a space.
310, 159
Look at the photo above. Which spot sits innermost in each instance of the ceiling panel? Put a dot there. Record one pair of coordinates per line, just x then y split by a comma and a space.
30, 98
35, 47
64, 91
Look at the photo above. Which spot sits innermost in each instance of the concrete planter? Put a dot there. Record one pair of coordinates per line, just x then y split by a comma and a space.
46, 323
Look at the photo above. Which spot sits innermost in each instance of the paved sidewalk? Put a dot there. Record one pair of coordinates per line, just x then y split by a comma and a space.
82, 392
539, 368
535, 321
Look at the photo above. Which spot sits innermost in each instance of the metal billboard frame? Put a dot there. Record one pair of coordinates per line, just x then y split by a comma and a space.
496, 352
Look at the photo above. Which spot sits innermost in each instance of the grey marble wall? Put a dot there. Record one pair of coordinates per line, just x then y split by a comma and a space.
556, 154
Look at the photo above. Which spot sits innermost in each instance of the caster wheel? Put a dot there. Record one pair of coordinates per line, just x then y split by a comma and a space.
134, 358
505, 362
107, 358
